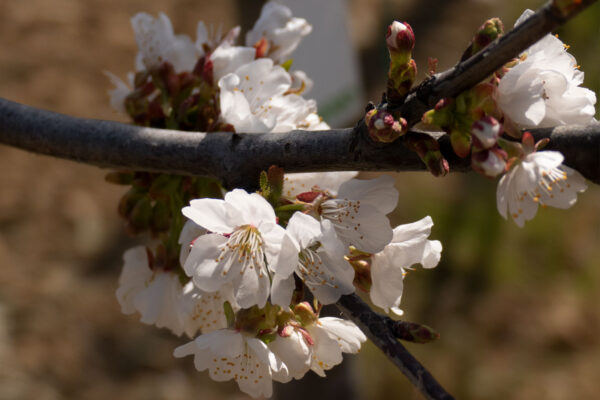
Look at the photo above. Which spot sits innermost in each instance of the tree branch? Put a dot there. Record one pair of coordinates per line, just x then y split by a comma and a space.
236, 159
470, 72
376, 327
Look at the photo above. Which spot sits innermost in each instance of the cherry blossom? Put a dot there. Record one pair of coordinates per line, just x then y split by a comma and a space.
544, 89
312, 251
332, 337
255, 99
229, 354
158, 43
539, 178
326, 182
203, 311
358, 213
409, 246
244, 238
280, 29
155, 294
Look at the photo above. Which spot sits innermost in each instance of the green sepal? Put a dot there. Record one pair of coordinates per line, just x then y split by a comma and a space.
229, 314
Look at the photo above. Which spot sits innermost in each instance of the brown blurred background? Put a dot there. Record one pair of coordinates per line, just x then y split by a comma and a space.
517, 308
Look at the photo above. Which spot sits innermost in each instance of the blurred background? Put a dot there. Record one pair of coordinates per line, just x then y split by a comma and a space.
517, 309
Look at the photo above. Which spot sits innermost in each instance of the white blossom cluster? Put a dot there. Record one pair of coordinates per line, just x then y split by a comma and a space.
541, 90
242, 261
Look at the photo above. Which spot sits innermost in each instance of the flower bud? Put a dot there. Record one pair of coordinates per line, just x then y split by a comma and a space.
486, 132
487, 33
428, 149
400, 38
383, 127
304, 313
490, 163
413, 332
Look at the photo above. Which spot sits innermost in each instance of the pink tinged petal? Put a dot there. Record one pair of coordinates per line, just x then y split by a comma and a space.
379, 193
211, 214
208, 271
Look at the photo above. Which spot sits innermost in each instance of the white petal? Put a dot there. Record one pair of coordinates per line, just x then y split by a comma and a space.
379, 192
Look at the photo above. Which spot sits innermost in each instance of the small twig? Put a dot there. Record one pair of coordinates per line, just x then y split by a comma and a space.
470, 72
236, 159
376, 327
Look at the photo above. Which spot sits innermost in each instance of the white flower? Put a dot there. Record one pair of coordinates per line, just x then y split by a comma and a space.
540, 178
190, 232
202, 311
254, 99
296, 354
358, 213
313, 252
543, 90
245, 238
332, 337
156, 295
329, 182
228, 354
158, 43
282, 31
120, 91
409, 246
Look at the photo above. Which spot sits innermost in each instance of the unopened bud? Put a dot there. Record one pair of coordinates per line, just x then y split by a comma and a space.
487, 33
304, 313
413, 332
400, 38
401, 76
490, 163
383, 127
486, 132
428, 149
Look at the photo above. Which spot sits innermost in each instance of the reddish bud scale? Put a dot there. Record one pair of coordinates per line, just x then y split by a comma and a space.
262, 47
400, 37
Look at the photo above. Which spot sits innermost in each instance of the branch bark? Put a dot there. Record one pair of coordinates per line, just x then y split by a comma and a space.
237, 159
376, 327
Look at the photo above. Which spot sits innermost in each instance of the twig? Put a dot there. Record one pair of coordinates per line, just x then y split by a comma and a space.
376, 327
236, 159
470, 72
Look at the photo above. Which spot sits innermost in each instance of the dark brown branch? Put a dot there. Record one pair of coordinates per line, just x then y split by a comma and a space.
236, 159
470, 72
376, 327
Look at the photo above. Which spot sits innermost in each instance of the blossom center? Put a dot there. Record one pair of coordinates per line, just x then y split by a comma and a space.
245, 249
313, 271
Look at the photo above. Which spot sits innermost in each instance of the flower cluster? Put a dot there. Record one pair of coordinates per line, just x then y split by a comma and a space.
233, 270
539, 89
